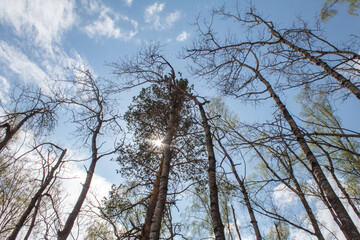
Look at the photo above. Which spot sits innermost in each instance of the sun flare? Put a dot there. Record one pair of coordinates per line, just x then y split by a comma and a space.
157, 142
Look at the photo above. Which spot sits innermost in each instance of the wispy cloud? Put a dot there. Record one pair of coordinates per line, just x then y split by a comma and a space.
182, 36
19, 63
42, 22
15, 62
284, 195
128, 2
91, 6
107, 25
153, 15
5, 86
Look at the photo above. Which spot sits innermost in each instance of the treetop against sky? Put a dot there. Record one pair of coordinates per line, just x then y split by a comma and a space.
39, 39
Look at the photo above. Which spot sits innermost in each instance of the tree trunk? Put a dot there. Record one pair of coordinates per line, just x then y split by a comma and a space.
214, 199
152, 204
36, 198
64, 233
10, 132
164, 179
32, 223
338, 183
245, 194
347, 225
318, 62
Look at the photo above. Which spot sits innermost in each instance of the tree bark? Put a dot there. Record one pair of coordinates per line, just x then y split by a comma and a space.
338, 183
32, 223
64, 233
164, 179
245, 194
36, 198
347, 225
10, 132
318, 62
214, 199
145, 234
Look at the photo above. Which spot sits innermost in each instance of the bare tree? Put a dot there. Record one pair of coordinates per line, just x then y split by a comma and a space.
237, 66
35, 200
27, 105
91, 109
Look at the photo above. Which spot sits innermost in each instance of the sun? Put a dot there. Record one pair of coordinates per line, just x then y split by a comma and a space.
157, 142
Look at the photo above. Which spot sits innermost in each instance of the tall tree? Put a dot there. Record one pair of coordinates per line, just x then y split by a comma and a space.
163, 139
92, 114
237, 66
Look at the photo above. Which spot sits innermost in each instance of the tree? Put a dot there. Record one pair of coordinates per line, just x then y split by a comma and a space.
214, 202
339, 146
26, 105
36, 199
328, 9
161, 151
280, 231
93, 114
236, 66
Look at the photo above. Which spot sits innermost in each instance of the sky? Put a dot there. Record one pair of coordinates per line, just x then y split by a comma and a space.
38, 39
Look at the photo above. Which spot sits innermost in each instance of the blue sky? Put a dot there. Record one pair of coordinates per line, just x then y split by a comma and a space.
38, 39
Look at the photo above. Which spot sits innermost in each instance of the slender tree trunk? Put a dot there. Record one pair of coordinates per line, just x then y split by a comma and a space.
214, 199
307, 207
347, 225
236, 226
32, 223
245, 194
64, 233
152, 204
10, 132
338, 183
318, 62
164, 179
36, 198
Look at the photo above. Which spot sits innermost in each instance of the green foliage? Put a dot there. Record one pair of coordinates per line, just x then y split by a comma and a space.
280, 231
221, 114
147, 119
329, 8
99, 231
198, 213
321, 119
16, 187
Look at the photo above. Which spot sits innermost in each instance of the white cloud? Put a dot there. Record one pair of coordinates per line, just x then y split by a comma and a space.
5, 86
128, 2
15, 60
41, 22
40, 26
20, 64
74, 177
284, 195
157, 20
106, 25
91, 6
182, 36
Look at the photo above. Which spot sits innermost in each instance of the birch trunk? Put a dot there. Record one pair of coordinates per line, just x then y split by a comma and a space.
318, 62
214, 199
347, 225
